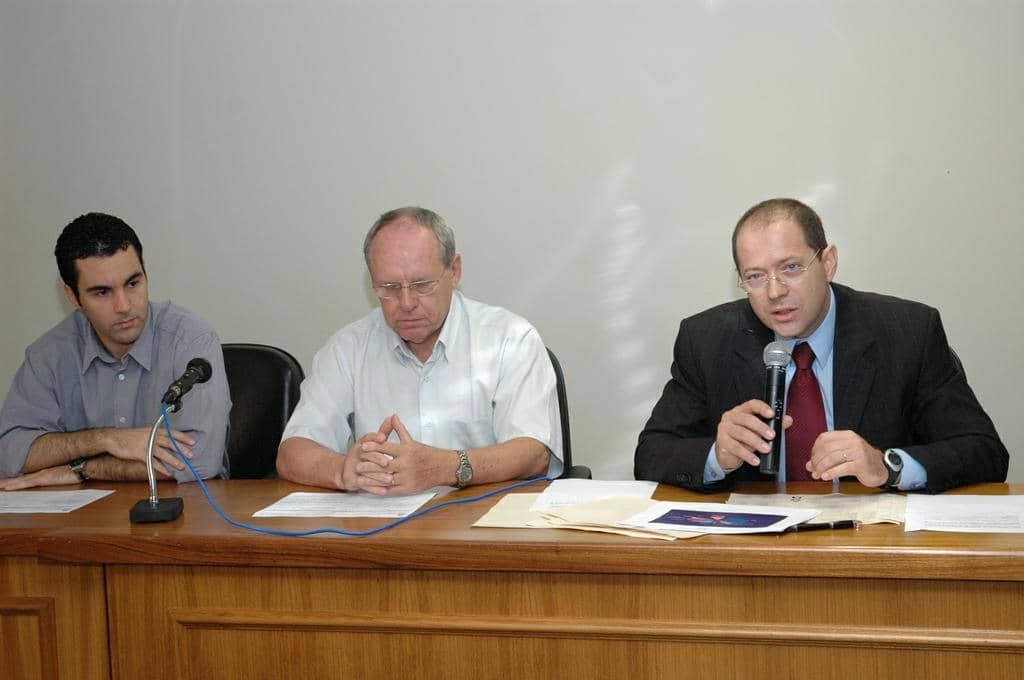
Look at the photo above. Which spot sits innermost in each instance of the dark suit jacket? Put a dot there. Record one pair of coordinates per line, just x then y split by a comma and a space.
897, 384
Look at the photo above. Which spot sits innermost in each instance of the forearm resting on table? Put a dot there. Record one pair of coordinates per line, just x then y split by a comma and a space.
307, 462
58, 448
109, 468
519, 458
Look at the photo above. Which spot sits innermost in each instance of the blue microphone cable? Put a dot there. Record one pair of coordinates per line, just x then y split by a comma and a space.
329, 530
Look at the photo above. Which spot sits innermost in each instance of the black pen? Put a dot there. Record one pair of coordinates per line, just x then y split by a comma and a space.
839, 524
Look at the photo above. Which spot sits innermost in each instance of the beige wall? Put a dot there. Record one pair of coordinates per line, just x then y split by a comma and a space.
592, 157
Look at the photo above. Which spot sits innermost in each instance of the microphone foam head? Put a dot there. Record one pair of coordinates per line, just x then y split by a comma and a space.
776, 354
202, 367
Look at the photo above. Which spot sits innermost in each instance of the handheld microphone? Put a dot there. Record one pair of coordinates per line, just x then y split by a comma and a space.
197, 371
154, 508
776, 359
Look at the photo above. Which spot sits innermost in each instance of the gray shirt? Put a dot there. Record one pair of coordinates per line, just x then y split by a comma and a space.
69, 382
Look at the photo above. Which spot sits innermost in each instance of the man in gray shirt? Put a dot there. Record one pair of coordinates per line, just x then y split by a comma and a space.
82, 403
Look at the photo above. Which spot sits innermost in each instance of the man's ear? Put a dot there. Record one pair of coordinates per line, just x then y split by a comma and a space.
830, 259
72, 296
456, 270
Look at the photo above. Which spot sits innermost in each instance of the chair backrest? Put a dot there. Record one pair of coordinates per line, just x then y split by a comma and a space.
568, 469
264, 383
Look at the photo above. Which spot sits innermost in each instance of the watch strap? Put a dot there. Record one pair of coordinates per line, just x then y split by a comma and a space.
78, 467
895, 470
464, 473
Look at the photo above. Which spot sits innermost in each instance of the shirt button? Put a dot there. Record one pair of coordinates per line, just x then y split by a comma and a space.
120, 376
122, 420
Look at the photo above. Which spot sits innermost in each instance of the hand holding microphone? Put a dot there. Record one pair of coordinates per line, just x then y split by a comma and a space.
749, 432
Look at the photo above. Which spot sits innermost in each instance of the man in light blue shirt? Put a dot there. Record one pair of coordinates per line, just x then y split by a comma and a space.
431, 388
82, 403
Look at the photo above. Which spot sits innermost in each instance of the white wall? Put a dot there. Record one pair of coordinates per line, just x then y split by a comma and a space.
592, 157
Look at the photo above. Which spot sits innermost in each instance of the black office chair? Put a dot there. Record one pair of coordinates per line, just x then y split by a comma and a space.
569, 470
264, 383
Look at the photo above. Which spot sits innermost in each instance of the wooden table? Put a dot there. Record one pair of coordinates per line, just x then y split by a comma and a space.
89, 595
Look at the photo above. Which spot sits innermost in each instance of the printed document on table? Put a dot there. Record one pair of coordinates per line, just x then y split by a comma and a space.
562, 492
866, 508
972, 514
345, 504
24, 502
719, 518
513, 512
607, 514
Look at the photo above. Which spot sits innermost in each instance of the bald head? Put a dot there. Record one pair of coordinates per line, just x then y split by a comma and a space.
775, 210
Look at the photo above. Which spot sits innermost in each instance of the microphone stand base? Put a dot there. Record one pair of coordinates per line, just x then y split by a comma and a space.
165, 510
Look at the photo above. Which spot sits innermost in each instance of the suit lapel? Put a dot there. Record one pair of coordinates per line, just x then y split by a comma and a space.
854, 370
747, 363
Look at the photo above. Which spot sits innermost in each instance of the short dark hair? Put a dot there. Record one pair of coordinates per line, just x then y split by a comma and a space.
422, 216
91, 235
779, 209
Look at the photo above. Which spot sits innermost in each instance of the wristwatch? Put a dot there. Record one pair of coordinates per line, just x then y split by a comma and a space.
894, 464
78, 467
464, 473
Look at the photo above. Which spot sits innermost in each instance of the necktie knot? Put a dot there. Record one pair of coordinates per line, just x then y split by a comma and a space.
803, 355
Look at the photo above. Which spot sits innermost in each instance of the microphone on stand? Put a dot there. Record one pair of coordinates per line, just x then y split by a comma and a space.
776, 359
155, 509
197, 371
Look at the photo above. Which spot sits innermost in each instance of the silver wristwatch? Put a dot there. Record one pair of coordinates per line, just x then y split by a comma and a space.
894, 464
464, 473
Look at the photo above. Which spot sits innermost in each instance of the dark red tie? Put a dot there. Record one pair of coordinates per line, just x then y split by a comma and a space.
803, 402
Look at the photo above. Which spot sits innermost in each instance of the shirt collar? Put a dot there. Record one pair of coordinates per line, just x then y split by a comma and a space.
823, 339
449, 331
141, 351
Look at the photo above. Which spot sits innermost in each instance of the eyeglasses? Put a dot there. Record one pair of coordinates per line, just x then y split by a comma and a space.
390, 291
787, 275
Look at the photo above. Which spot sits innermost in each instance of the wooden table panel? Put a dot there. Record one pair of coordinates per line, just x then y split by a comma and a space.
330, 617
67, 608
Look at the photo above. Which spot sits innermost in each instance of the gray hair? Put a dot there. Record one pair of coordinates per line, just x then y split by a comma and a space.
427, 218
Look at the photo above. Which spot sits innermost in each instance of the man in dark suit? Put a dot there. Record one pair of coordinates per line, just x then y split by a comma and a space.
893, 403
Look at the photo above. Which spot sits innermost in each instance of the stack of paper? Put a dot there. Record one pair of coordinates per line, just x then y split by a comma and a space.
608, 507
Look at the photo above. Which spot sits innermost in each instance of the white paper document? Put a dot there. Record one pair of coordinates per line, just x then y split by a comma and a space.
719, 518
973, 514
345, 504
24, 502
865, 508
563, 492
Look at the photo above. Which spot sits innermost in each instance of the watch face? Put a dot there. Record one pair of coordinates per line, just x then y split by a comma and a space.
893, 461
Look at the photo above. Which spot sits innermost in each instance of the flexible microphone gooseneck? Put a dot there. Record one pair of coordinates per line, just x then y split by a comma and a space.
776, 358
154, 508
